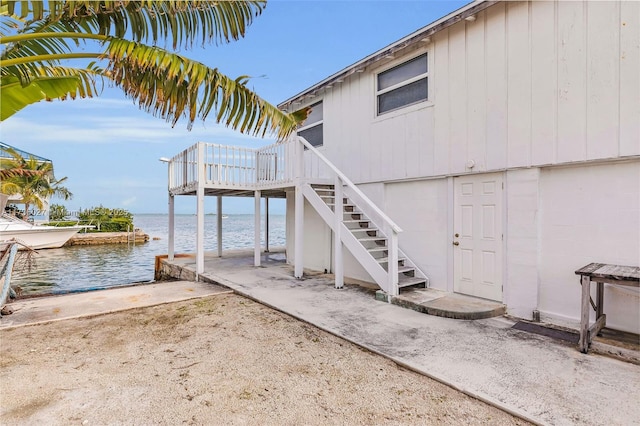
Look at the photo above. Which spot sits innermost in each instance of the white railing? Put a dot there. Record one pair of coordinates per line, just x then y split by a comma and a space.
229, 165
277, 165
388, 227
183, 169
233, 166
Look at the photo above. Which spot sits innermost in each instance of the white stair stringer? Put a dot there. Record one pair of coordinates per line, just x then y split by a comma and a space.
372, 266
358, 233
417, 271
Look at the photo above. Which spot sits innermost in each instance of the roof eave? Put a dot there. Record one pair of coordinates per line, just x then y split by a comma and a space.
418, 36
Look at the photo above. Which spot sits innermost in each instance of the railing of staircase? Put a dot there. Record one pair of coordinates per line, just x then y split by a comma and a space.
377, 216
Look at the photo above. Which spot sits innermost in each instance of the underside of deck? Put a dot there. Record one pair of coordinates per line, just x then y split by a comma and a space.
236, 192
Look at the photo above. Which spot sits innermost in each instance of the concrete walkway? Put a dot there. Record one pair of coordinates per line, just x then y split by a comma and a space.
77, 305
540, 379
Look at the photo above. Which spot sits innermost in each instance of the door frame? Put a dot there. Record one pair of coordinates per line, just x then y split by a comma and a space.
451, 226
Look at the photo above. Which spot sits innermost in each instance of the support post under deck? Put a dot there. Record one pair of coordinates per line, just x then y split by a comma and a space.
266, 224
172, 230
256, 249
200, 212
219, 223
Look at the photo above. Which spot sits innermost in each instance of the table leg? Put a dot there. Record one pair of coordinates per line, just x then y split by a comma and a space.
583, 343
600, 303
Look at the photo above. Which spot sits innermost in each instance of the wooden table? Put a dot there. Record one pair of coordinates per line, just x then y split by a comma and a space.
600, 273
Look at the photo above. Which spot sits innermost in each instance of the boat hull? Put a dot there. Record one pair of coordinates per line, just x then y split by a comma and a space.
41, 237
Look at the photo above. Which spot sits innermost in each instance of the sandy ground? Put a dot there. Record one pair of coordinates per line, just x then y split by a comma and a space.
219, 360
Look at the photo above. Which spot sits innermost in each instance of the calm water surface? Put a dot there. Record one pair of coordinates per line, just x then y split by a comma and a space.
79, 268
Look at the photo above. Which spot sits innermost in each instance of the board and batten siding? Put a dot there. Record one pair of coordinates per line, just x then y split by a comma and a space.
525, 84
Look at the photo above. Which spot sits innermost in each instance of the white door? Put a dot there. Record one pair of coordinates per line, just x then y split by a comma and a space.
477, 239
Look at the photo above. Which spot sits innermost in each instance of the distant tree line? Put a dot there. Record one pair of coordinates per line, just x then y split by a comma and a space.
103, 218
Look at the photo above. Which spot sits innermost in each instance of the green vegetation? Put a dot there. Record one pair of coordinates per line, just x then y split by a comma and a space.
44, 44
102, 218
36, 186
107, 220
57, 212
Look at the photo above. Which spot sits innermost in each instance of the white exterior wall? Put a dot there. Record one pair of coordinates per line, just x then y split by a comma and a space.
522, 242
525, 84
547, 93
421, 209
589, 214
317, 237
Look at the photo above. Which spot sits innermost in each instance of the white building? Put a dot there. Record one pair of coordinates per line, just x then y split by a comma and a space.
503, 140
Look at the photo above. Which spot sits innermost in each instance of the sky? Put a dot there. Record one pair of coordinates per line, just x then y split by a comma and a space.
109, 150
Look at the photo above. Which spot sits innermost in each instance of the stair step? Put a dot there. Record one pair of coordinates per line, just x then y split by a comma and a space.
405, 281
405, 269
378, 249
365, 239
331, 197
386, 259
354, 230
356, 220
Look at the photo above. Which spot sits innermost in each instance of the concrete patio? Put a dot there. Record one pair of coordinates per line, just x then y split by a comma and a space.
538, 378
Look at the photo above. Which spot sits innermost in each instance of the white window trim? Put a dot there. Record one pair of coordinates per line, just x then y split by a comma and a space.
309, 126
314, 124
405, 108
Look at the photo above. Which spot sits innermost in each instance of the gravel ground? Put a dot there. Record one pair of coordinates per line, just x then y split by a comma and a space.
218, 360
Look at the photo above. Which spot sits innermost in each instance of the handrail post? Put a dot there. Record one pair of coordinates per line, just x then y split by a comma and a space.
338, 265
299, 213
392, 268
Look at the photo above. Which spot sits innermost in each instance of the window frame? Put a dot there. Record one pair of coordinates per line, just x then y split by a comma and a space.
396, 64
314, 124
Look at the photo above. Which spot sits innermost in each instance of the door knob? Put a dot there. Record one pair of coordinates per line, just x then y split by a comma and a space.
457, 235
455, 243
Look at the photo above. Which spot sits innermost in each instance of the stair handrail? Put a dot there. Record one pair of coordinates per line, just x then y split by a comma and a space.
392, 225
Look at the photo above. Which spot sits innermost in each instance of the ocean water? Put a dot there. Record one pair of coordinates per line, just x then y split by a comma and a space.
80, 268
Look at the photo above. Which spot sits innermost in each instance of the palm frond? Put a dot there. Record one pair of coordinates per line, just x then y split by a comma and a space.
48, 83
171, 86
12, 173
182, 22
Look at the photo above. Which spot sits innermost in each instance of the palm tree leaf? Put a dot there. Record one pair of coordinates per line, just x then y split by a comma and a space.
162, 83
52, 83
171, 86
182, 22
15, 96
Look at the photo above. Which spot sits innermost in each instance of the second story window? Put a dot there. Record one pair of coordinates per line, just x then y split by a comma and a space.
403, 85
311, 129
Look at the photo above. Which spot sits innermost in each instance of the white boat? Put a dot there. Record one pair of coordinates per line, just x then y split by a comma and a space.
35, 236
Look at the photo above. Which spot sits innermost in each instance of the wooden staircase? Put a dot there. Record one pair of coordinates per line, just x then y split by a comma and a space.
368, 236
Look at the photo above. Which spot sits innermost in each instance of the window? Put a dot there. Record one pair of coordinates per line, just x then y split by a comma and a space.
403, 85
311, 129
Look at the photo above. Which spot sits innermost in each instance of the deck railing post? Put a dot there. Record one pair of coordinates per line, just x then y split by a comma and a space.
338, 265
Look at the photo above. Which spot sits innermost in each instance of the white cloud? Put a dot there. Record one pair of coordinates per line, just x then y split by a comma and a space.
119, 128
128, 201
